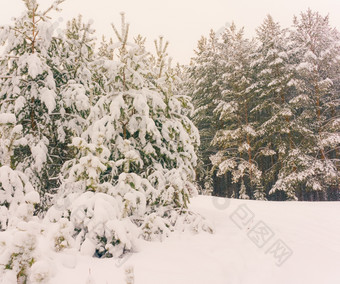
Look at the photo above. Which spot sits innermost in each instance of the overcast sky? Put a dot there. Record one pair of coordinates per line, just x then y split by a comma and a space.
182, 22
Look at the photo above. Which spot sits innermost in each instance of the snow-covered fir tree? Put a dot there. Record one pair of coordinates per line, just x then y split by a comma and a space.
75, 52
277, 132
133, 174
28, 90
17, 195
311, 165
235, 139
205, 86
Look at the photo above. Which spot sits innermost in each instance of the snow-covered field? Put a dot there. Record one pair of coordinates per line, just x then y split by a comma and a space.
254, 242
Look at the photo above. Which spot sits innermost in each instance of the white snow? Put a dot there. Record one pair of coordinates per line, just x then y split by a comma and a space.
39, 153
35, 66
48, 98
7, 118
19, 104
310, 232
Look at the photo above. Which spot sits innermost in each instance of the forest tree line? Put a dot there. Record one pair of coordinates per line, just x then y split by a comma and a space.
267, 110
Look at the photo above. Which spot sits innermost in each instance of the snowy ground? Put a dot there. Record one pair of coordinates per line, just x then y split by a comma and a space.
254, 242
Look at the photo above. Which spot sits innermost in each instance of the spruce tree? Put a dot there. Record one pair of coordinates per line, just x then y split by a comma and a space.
75, 52
277, 131
28, 90
133, 171
311, 166
236, 138
205, 87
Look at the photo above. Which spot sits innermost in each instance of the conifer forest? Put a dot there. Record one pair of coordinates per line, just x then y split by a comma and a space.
103, 142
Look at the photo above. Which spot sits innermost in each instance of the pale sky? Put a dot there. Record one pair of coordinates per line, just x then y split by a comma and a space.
181, 22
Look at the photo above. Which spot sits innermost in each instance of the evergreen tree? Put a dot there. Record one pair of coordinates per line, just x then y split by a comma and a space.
310, 167
104, 50
235, 139
205, 87
77, 86
133, 171
17, 195
277, 131
28, 90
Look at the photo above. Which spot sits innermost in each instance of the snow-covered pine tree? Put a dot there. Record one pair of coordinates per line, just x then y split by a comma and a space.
133, 171
205, 86
79, 90
180, 136
75, 53
27, 93
104, 48
277, 133
17, 195
311, 166
235, 139
28, 90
